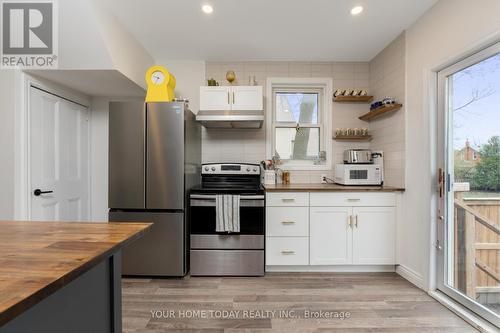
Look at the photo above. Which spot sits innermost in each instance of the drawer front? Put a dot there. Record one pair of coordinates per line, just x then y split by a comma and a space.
280, 199
290, 221
227, 242
287, 250
355, 199
227, 262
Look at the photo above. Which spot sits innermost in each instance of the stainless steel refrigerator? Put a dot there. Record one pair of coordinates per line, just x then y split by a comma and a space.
154, 160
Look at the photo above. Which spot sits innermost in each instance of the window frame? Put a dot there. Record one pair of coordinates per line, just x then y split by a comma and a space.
324, 88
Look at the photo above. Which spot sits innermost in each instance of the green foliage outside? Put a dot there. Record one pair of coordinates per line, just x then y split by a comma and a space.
485, 175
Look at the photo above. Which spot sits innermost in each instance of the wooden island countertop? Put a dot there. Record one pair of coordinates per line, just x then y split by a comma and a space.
39, 258
320, 187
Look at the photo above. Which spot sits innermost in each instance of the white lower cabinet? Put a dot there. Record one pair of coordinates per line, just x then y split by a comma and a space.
334, 229
287, 251
331, 236
287, 221
374, 235
352, 235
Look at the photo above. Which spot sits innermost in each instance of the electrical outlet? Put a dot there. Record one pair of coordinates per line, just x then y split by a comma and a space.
323, 178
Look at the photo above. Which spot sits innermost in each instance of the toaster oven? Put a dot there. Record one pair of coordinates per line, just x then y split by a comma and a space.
358, 174
358, 156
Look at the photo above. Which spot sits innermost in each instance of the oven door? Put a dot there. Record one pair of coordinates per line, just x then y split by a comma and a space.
203, 215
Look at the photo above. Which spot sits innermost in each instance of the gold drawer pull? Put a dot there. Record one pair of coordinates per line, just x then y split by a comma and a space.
287, 222
353, 199
288, 199
287, 252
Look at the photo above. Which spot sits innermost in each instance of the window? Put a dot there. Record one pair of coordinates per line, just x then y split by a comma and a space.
299, 119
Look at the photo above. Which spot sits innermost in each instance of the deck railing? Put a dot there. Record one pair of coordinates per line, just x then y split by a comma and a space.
477, 249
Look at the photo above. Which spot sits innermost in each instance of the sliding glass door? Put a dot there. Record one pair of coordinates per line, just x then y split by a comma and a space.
469, 183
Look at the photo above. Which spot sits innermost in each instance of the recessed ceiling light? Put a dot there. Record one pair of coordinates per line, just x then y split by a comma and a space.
207, 9
356, 10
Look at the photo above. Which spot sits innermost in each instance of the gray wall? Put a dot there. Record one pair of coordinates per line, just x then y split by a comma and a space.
7, 122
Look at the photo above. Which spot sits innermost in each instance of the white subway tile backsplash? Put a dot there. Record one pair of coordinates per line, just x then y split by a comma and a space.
250, 145
387, 79
343, 67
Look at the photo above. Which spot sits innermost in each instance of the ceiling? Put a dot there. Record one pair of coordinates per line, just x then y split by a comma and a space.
308, 30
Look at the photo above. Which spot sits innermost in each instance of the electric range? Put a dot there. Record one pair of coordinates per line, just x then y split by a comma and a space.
214, 253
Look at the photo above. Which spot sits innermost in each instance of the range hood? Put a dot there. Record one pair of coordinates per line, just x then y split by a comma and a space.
231, 119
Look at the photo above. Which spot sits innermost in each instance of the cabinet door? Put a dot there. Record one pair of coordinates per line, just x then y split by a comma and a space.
331, 236
215, 98
247, 98
374, 233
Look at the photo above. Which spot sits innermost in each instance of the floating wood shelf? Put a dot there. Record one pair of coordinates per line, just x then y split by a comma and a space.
380, 111
355, 99
353, 138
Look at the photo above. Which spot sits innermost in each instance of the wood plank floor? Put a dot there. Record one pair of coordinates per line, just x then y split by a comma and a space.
376, 302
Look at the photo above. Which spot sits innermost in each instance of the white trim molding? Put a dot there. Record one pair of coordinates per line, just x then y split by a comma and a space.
331, 268
326, 84
410, 275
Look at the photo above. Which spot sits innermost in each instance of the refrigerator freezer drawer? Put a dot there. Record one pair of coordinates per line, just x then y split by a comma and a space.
162, 251
227, 262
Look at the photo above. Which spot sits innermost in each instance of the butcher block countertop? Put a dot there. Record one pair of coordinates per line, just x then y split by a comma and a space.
39, 258
328, 188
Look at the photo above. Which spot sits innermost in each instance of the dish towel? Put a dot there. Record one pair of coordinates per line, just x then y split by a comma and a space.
227, 212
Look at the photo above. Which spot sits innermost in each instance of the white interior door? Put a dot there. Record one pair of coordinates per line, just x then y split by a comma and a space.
58, 158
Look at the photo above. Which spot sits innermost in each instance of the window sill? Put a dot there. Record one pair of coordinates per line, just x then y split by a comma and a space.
305, 167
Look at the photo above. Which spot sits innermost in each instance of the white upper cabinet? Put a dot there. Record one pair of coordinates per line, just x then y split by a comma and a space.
225, 98
215, 98
247, 98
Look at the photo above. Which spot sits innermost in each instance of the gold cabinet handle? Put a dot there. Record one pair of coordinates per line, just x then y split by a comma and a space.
288, 199
353, 199
228, 98
287, 222
287, 252
349, 221
356, 220
233, 97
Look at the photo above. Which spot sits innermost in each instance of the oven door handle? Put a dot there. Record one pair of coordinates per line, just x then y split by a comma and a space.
212, 197
204, 200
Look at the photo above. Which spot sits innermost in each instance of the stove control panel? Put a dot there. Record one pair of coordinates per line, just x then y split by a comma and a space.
230, 169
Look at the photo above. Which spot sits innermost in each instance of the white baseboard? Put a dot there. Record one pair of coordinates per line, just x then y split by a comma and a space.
332, 269
410, 275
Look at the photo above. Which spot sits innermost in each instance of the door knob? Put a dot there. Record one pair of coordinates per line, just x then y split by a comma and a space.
38, 192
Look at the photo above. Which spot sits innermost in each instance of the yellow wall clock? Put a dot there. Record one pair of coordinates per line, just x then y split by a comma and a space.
161, 85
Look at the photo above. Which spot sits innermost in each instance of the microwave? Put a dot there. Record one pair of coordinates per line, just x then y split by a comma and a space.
358, 174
